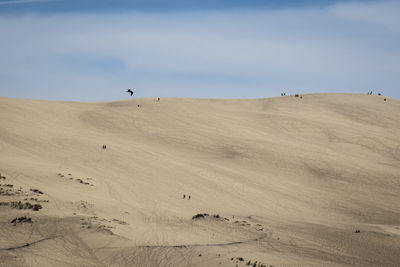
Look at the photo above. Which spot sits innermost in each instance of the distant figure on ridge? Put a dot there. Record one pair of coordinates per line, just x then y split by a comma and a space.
189, 197
184, 196
129, 91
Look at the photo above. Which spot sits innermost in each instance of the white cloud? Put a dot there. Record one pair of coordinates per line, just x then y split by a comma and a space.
384, 14
222, 54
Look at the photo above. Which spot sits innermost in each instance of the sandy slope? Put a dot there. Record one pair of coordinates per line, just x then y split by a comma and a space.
291, 179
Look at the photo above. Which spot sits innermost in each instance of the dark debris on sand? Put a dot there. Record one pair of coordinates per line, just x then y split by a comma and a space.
200, 216
21, 206
37, 191
23, 219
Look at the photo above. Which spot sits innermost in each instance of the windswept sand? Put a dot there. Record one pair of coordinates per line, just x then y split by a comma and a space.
290, 178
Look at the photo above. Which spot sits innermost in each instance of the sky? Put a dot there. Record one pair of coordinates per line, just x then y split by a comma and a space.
93, 50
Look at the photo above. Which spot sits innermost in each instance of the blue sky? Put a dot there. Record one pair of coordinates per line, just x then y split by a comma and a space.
62, 6
93, 50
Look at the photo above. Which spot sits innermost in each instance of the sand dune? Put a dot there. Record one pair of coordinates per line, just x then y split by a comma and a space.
291, 179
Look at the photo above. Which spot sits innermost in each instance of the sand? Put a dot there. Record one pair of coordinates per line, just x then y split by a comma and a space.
291, 180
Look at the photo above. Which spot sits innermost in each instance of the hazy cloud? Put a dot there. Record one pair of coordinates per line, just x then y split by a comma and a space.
384, 14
